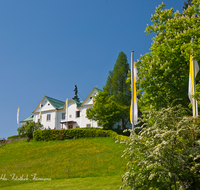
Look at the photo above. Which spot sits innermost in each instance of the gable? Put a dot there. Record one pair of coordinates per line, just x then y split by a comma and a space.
57, 104
48, 104
89, 99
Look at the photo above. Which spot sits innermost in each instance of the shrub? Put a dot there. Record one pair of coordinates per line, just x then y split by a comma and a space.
120, 131
62, 134
2, 141
16, 136
29, 128
166, 152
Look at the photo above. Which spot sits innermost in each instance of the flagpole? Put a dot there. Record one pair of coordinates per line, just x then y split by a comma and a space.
18, 117
132, 93
193, 71
132, 87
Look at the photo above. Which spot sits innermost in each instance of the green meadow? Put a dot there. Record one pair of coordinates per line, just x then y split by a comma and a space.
87, 163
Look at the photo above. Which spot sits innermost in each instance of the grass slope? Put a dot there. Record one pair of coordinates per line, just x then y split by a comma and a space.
61, 161
92, 183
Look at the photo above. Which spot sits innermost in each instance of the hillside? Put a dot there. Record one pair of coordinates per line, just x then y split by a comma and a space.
60, 160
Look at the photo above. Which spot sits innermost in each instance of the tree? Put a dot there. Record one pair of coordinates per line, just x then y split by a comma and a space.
29, 128
105, 110
164, 71
117, 87
113, 104
186, 4
166, 152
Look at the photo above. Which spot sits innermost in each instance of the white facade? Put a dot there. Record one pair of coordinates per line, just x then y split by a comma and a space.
53, 113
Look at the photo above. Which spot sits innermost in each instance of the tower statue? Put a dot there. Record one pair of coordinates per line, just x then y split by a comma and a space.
75, 95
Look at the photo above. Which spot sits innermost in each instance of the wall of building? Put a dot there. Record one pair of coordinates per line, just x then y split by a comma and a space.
46, 124
84, 120
56, 115
89, 101
59, 119
45, 106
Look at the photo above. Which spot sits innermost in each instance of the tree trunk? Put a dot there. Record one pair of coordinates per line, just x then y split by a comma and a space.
123, 124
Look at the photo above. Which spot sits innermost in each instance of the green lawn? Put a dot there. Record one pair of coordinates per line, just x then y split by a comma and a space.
78, 163
92, 183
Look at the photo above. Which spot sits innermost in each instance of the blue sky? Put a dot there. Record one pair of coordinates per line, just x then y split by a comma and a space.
48, 46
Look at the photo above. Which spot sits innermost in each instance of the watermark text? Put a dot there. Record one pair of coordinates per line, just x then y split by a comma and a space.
14, 177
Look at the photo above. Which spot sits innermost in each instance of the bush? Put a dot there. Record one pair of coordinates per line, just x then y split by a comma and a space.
166, 152
29, 128
121, 132
62, 134
2, 141
16, 136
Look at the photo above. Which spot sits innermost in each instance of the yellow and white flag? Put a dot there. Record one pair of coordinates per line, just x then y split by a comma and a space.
66, 109
18, 115
194, 69
40, 111
133, 101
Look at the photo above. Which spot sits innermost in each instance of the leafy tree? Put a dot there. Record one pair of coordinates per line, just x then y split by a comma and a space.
186, 4
164, 71
113, 104
29, 128
105, 110
166, 152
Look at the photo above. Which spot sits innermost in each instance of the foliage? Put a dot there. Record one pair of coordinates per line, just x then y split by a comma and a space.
16, 136
105, 110
69, 159
196, 95
2, 141
29, 128
113, 104
62, 134
163, 77
186, 4
116, 81
117, 87
121, 132
166, 153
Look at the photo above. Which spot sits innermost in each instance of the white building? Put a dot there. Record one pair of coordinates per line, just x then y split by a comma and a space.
54, 114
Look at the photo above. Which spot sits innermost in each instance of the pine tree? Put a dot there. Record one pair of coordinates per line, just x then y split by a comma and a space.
117, 87
113, 104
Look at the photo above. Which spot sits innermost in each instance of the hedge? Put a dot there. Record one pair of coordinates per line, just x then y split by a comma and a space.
16, 136
120, 132
62, 134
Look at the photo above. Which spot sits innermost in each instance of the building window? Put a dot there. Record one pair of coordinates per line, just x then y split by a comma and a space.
48, 117
77, 113
77, 126
88, 125
63, 116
